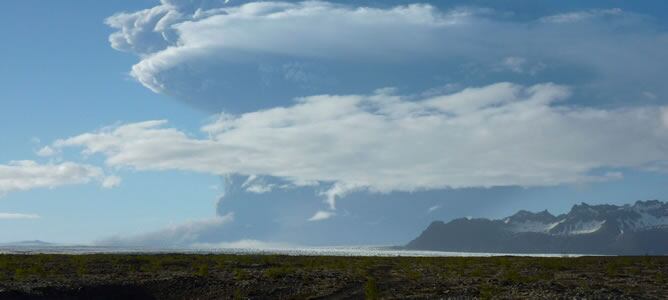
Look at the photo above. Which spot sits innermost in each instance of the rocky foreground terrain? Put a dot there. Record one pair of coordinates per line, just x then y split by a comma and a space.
184, 276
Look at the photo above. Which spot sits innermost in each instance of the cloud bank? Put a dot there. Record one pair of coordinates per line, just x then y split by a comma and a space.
221, 56
497, 135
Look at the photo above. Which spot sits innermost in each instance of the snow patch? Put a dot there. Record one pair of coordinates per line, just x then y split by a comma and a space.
533, 226
648, 221
582, 228
530, 226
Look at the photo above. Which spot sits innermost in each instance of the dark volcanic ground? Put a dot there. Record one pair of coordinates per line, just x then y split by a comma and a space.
185, 276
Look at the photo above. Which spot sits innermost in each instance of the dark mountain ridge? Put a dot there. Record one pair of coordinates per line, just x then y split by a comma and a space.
638, 229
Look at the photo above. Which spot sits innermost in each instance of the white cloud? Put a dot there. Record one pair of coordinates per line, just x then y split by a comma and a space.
321, 215
26, 175
255, 184
17, 216
259, 188
433, 208
233, 35
152, 30
46, 151
180, 235
580, 16
520, 65
138, 32
111, 182
193, 52
515, 64
664, 116
497, 135
337, 190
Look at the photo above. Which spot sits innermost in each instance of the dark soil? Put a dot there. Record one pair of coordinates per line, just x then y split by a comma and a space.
184, 276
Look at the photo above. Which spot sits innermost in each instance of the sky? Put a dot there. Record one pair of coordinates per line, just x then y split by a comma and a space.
180, 123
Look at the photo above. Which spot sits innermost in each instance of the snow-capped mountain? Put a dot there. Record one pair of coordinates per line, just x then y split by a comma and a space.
586, 219
604, 229
525, 221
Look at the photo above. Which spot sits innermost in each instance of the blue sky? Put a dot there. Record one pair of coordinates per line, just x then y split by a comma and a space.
181, 123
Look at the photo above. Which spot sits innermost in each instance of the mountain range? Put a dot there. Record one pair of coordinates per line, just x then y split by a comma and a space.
638, 229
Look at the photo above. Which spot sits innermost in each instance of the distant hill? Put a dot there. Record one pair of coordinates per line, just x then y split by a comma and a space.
638, 229
28, 243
